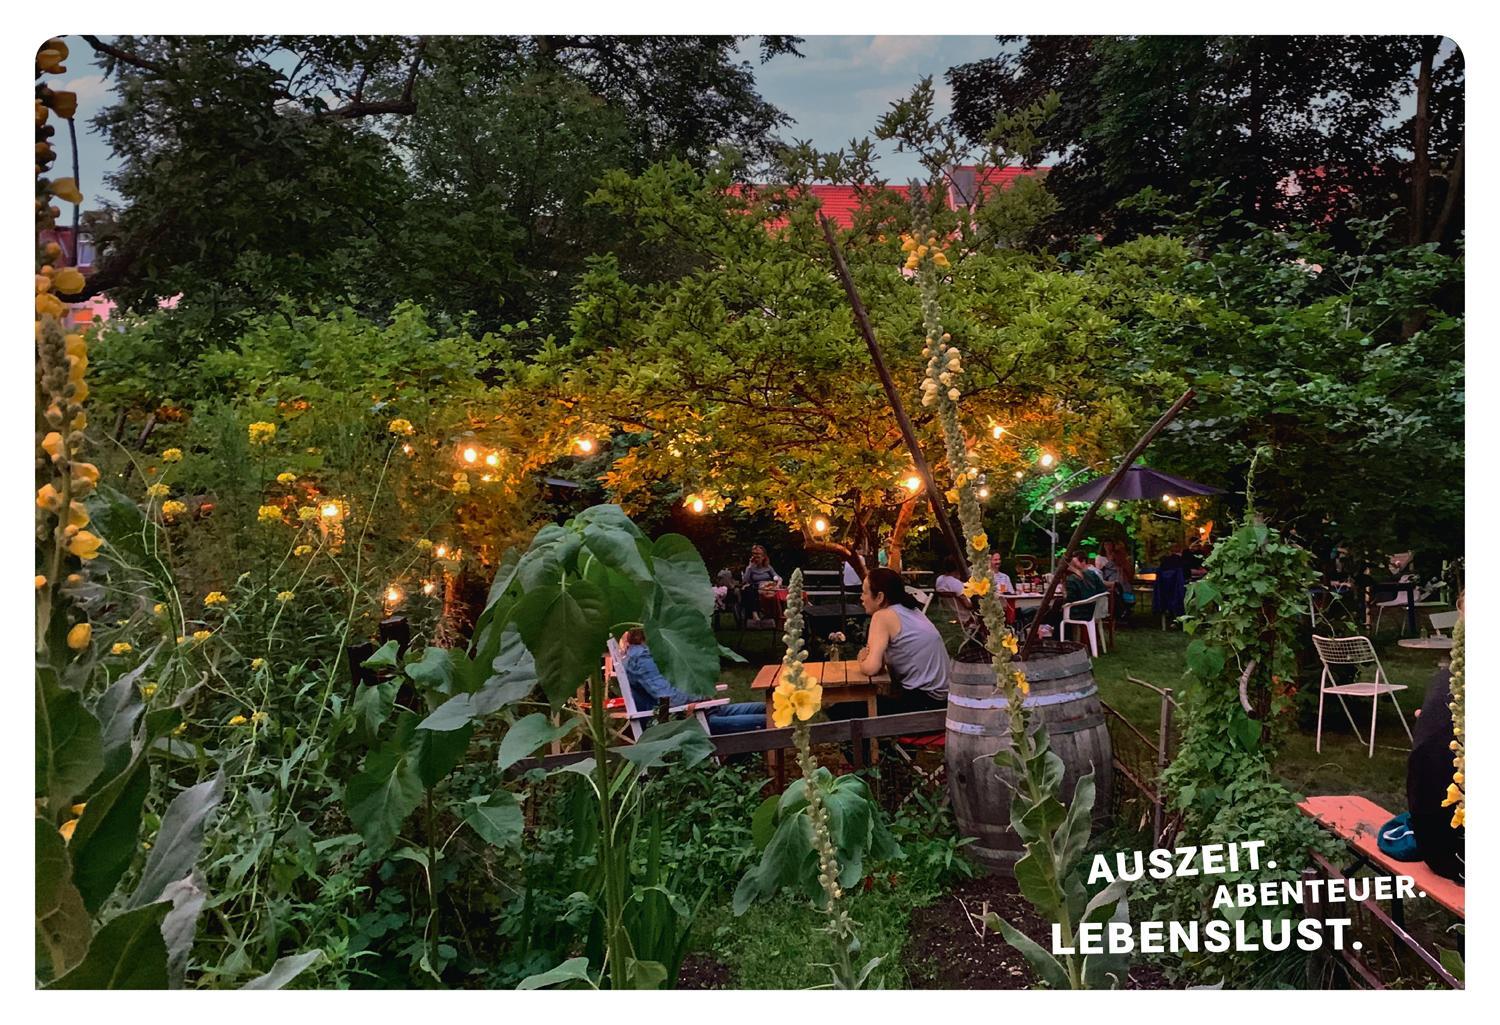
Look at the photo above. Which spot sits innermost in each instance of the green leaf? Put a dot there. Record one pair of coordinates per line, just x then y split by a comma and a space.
685, 649
108, 834
616, 549
385, 656
609, 516
62, 922
1037, 880
285, 970
505, 575
128, 953
1048, 967
1205, 660
624, 596
763, 822
372, 706
435, 670
681, 574
187, 897
117, 710
573, 970
660, 742
69, 750
564, 625
1074, 835
497, 819
436, 752
529, 735
179, 840
386, 790
732, 655
642, 974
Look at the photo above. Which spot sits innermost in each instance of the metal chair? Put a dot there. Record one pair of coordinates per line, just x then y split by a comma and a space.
1354, 651
964, 616
1090, 618
1443, 623
924, 598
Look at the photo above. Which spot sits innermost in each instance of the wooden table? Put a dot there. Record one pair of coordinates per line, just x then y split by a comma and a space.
842, 683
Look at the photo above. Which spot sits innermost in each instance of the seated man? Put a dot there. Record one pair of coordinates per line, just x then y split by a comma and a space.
1082, 582
1429, 770
649, 686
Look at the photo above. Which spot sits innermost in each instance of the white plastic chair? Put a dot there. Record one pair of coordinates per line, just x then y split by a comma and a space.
1354, 651
1089, 617
1443, 623
638, 718
924, 598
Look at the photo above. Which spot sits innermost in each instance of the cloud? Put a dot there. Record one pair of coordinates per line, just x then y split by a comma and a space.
89, 87
890, 53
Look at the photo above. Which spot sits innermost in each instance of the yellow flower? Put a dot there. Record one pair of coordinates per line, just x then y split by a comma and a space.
1022, 684
88, 473
269, 514
179, 729
77, 810
66, 829
1454, 795
256, 663
1458, 818
461, 487
979, 585
424, 545
1458, 778
262, 432
908, 243
807, 701
78, 515
172, 455
286, 478
951, 495
953, 394
781, 705
215, 598
158, 609
52, 445
181, 639
48, 498
302, 550
85, 545
202, 635
121, 648
979, 542
158, 491
78, 637
940, 259
259, 717
66, 189
41, 581
148, 689
238, 720
172, 507
68, 280
306, 513
285, 596
400, 426
1010, 644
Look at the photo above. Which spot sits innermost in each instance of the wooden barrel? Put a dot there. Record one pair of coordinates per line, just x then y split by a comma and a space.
1065, 698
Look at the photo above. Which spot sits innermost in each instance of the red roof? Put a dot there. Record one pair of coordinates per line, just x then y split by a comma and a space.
841, 202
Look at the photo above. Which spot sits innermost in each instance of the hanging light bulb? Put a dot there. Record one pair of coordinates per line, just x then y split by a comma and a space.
820, 526
996, 431
493, 459
441, 551
1111, 505
1058, 507
330, 510
1020, 474
428, 587
471, 455
1047, 459
393, 595
984, 492
696, 504
585, 445
913, 483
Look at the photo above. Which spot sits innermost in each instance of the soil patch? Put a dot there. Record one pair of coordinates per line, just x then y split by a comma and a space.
699, 971
946, 950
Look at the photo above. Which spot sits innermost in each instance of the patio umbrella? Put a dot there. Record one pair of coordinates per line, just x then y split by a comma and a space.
1139, 482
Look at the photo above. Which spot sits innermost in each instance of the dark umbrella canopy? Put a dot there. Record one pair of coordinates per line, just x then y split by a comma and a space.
1139, 482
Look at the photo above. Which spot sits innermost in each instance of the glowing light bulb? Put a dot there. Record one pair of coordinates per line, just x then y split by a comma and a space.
493, 459
330, 510
1058, 507
441, 551
428, 587
406, 449
984, 492
913, 483
820, 525
996, 431
1111, 505
585, 445
393, 595
1047, 459
1020, 474
471, 455
696, 504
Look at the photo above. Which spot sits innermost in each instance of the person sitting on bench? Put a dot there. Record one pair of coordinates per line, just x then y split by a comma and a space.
1429, 770
650, 687
906, 643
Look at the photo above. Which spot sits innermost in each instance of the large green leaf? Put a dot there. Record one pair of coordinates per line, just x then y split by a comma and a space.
573, 970
69, 752
505, 574
439, 670
187, 897
513, 680
497, 818
685, 649
108, 834
609, 516
658, 745
681, 574
62, 922
626, 598
386, 790
285, 970
372, 706
1048, 967
529, 735
128, 953
617, 549
385, 657
118, 709
438, 751
179, 840
564, 624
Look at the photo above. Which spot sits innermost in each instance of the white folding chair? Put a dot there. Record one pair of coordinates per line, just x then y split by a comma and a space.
1354, 651
1424, 599
1087, 615
1443, 623
638, 718
963, 615
924, 598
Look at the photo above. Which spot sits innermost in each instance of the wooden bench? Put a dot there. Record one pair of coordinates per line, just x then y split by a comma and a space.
1357, 821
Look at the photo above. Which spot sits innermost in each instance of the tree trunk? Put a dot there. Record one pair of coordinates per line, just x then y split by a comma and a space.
1450, 199
1421, 170
898, 532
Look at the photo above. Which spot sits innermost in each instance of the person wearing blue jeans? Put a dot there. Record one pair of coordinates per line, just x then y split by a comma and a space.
649, 687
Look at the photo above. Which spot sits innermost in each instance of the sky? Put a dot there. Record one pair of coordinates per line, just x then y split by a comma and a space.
834, 93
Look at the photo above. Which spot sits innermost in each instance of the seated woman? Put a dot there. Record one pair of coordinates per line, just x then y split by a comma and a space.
648, 687
757, 586
904, 642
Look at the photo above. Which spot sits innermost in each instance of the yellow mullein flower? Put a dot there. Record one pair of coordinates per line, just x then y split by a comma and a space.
41, 581
286, 478
979, 542
1010, 644
302, 550
262, 432
52, 445
79, 636
238, 720
940, 259
48, 498
979, 585
285, 596
172, 508
179, 729
85, 545
172, 455
1022, 684
1454, 796
215, 598
269, 514
953, 394
158, 609
306, 513
147, 690
202, 635
424, 545
66, 829
399, 426
781, 705
257, 663
121, 648
1458, 818
158, 491
951, 495
259, 717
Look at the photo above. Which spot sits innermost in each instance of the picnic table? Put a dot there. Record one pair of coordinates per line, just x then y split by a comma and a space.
842, 683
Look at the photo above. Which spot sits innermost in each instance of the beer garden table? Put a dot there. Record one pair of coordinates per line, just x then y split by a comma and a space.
842, 683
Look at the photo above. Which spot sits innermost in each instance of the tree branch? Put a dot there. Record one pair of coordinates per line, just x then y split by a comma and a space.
124, 56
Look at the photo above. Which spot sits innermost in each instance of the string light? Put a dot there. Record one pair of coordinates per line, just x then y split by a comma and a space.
984, 492
1020, 474
330, 510
493, 459
393, 596
1047, 459
913, 484
585, 445
428, 587
441, 551
406, 449
696, 504
820, 526
996, 431
471, 455
1058, 507
1111, 505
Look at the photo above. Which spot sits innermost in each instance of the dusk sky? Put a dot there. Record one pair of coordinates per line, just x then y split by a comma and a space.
835, 93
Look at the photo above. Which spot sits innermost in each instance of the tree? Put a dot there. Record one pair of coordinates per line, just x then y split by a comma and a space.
1162, 112
369, 170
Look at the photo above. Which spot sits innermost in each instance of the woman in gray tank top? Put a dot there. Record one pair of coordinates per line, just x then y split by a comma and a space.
904, 642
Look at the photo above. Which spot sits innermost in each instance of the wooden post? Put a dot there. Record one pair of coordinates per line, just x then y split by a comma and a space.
1163, 759
919, 461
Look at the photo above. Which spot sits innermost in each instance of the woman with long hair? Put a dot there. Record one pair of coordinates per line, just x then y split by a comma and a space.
905, 642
